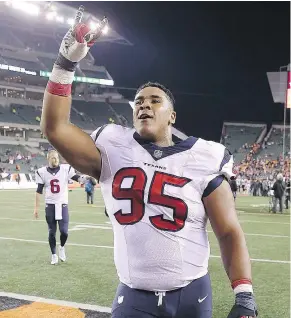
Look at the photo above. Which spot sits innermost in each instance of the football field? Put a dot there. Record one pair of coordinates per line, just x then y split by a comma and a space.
89, 276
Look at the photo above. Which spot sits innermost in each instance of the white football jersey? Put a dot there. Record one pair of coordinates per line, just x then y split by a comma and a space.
153, 197
55, 182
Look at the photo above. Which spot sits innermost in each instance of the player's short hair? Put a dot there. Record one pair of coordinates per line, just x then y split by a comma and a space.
161, 87
50, 151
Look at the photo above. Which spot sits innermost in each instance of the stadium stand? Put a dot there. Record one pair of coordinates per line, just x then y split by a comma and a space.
47, 62
7, 115
37, 42
29, 65
258, 155
124, 109
239, 137
8, 38
95, 74
30, 114
273, 143
98, 111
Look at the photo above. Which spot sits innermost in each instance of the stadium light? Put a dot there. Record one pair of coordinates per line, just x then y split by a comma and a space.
93, 25
26, 7
60, 19
70, 21
50, 15
105, 30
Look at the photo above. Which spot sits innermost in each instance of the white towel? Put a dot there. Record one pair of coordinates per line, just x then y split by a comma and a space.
58, 211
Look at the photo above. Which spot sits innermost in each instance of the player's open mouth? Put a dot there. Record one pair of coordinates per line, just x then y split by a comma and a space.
145, 116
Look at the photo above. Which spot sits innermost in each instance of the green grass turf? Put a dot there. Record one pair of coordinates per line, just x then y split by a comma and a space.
89, 275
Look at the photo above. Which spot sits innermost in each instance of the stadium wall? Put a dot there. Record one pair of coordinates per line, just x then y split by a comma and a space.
26, 182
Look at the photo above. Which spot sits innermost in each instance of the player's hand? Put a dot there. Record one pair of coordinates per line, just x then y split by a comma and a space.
82, 179
244, 307
35, 214
78, 40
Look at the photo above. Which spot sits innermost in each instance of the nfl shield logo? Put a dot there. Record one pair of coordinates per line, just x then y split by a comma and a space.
158, 154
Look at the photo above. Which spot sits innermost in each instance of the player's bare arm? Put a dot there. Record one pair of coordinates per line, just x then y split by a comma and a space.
71, 142
221, 211
38, 193
36, 204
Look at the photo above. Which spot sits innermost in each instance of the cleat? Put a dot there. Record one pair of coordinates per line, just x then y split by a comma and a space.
55, 259
62, 254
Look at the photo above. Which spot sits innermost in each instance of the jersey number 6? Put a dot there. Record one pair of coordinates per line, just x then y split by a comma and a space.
156, 196
55, 187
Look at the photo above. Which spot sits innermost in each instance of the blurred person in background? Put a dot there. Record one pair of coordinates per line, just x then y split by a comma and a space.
279, 189
18, 178
233, 186
89, 188
287, 194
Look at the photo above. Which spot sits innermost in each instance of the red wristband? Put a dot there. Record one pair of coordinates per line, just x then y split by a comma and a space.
242, 285
59, 89
242, 281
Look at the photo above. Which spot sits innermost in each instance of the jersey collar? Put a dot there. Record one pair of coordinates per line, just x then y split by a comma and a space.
53, 171
158, 153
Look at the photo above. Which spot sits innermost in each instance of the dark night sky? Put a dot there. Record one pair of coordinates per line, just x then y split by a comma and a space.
216, 52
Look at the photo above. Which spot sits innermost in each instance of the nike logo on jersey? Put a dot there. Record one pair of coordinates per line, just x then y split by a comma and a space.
200, 300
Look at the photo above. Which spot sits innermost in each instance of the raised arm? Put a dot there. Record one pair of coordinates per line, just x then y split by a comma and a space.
71, 142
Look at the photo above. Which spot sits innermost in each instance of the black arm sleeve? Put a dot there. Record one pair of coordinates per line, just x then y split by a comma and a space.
40, 187
75, 177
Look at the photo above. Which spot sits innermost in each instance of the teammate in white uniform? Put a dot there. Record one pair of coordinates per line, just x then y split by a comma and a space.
158, 195
54, 179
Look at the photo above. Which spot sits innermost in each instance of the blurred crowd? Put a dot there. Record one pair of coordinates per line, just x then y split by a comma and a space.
15, 160
257, 175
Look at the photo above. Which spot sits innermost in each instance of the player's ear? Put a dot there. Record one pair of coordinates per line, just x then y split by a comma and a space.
173, 117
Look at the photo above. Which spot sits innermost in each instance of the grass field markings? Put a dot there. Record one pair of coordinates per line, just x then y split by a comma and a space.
26, 206
264, 235
86, 227
45, 242
263, 214
83, 226
263, 222
70, 211
71, 222
56, 302
262, 260
33, 190
111, 247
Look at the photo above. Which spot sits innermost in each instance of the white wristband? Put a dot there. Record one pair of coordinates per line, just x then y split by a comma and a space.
243, 288
61, 76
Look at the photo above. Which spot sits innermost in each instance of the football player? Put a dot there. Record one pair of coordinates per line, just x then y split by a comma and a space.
54, 179
158, 195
